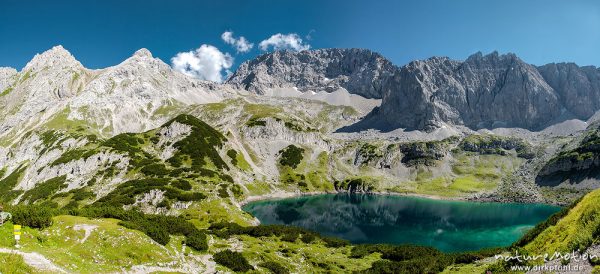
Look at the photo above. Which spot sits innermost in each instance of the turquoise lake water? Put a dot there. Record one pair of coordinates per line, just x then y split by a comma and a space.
447, 225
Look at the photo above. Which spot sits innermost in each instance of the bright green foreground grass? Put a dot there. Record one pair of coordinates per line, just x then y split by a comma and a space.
109, 247
113, 248
301, 257
578, 230
13, 264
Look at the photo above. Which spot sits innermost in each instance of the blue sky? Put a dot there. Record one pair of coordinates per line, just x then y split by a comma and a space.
103, 33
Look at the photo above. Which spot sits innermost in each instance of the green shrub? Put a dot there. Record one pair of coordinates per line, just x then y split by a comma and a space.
423, 153
79, 194
353, 185
32, 216
291, 156
334, 242
201, 144
286, 233
182, 184
237, 190
197, 241
369, 153
125, 193
274, 267
73, 155
494, 144
45, 189
233, 156
222, 191
233, 260
125, 142
308, 237
155, 169
254, 122
8, 183
416, 259
293, 126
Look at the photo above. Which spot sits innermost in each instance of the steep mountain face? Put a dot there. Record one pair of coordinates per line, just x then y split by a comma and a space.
578, 87
482, 92
150, 89
359, 71
44, 85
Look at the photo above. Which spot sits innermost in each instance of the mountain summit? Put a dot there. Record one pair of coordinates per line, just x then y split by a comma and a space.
56, 57
359, 71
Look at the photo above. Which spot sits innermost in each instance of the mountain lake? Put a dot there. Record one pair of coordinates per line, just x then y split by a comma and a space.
450, 226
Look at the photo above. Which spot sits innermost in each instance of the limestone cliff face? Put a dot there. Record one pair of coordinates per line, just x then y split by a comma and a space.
578, 87
482, 92
359, 71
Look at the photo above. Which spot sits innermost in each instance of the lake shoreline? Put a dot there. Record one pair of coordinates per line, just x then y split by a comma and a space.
285, 195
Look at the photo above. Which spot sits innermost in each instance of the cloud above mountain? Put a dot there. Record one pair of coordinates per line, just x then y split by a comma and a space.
240, 44
280, 41
206, 62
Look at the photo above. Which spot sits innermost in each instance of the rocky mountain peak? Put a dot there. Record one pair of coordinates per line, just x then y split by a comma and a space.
493, 59
7, 71
56, 57
141, 60
359, 71
143, 52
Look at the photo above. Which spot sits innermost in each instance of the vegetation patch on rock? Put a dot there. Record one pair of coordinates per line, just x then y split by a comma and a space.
494, 144
291, 156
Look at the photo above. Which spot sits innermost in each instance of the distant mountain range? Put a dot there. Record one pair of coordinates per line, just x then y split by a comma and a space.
484, 91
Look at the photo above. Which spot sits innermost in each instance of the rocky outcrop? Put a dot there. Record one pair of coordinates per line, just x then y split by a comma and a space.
426, 153
356, 185
6, 79
493, 144
273, 130
576, 164
359, 71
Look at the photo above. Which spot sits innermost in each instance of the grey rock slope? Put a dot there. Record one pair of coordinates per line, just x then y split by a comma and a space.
488, 91
359, 71
578, 87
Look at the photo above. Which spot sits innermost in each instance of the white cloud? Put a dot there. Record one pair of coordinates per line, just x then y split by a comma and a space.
206, 63
284, 41
241, 44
